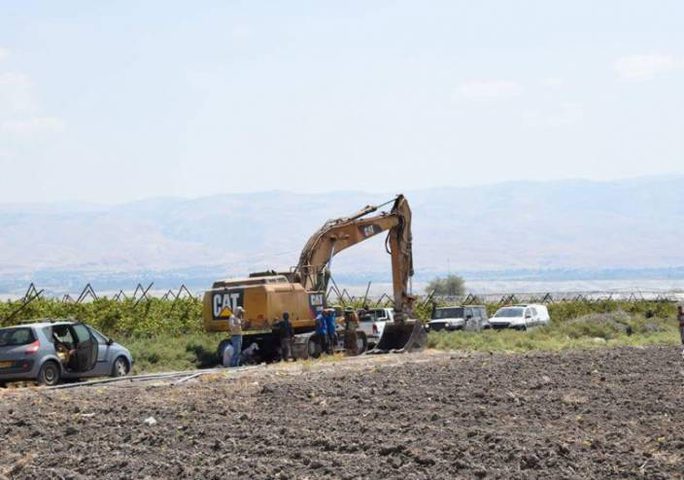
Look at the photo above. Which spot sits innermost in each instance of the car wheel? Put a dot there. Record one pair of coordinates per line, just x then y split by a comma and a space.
120, 367
49, 374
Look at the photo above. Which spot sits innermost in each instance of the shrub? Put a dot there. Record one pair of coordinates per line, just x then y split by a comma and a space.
450, 286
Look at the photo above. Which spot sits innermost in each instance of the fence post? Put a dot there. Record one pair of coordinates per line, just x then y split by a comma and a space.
680, 317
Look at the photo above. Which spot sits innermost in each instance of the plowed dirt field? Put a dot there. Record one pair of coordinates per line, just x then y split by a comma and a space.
604, 413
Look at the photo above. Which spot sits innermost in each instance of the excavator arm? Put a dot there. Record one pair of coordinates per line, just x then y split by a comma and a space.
339, 234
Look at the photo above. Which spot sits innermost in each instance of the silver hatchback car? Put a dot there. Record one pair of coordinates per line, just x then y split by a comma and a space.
49, 351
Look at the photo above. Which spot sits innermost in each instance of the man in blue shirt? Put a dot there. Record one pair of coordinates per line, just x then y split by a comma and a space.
322, 330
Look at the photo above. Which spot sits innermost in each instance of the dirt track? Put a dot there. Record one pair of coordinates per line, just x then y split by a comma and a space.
599, 414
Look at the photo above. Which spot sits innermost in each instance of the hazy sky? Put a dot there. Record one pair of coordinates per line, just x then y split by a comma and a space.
114, 101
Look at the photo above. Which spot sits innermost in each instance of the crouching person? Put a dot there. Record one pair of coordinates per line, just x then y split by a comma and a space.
65, 350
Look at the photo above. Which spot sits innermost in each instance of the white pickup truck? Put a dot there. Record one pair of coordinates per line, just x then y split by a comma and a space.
372, 322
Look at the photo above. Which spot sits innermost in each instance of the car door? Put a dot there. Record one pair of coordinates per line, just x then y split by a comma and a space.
104, 354
481, 317
535, 316
527, 317
468, 319
86, 347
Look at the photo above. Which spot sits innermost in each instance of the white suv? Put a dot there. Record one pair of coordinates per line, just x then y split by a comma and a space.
520, 317
458, 317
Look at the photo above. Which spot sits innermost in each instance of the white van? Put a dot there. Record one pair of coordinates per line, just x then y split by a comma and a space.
520, 317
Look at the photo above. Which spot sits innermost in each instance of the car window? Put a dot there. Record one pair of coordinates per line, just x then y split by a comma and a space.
468, 312
533, 311
82, 333
12, 337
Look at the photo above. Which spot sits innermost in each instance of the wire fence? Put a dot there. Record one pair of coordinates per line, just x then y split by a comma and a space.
342, 296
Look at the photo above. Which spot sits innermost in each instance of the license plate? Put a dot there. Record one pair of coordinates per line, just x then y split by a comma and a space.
6, 364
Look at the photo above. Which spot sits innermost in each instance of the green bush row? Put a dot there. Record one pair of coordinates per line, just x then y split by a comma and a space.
168, 335
119, 318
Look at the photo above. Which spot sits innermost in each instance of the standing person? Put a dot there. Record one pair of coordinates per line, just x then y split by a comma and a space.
351, 323
322, 330
285, 334
235, 322
331, 326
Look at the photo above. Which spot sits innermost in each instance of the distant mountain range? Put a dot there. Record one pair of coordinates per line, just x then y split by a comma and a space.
515, 230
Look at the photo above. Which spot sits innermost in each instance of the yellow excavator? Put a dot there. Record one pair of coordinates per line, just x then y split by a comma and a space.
302, 291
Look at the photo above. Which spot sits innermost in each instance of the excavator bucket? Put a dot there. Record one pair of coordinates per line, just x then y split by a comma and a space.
401, 337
